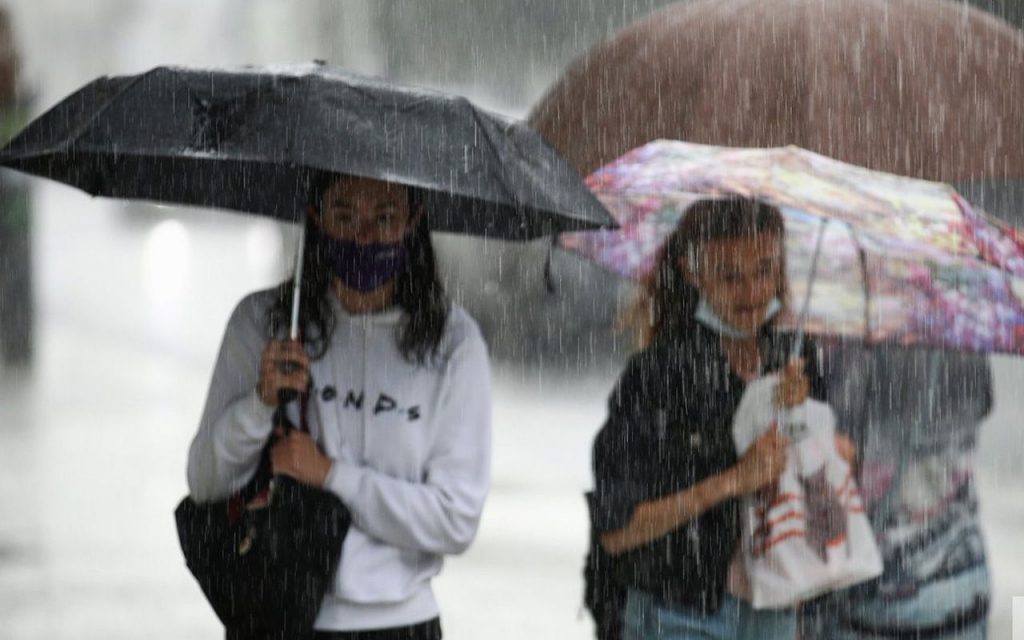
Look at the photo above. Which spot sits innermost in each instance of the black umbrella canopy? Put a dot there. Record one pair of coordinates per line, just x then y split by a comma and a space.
248, 139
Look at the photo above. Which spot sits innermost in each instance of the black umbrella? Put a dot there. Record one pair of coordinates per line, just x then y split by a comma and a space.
247, 139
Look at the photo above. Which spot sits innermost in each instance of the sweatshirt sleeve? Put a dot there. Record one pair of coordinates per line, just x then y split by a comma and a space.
441, 514
235, 423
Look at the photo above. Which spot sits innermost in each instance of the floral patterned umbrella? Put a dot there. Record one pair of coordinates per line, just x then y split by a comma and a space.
905, 261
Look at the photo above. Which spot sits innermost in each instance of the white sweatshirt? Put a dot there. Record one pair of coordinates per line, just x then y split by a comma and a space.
411, 449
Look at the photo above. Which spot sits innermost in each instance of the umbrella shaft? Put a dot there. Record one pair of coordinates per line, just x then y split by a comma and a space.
293, 331
798, 344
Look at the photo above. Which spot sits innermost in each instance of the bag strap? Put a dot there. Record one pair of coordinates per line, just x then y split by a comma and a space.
264, 472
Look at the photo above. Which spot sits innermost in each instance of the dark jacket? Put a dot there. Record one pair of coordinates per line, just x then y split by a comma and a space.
670, 426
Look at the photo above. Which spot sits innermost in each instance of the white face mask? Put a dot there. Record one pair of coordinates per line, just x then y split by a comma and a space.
707, 317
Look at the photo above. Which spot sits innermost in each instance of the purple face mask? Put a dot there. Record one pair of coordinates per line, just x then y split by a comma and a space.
363, 267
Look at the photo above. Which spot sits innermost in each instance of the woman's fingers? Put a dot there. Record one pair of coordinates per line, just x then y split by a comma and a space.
288, 350
271, 383
286, 454
775, 453
793, 387
778, 462
764, 462
297, 455
286, 358
283, 365
846, 448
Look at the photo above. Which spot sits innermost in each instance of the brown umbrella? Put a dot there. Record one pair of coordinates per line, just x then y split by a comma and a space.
925, 88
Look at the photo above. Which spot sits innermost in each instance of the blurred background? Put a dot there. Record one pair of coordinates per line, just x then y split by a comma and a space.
111, 314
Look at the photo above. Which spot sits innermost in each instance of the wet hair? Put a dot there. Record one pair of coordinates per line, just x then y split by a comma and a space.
666, 300
418, 289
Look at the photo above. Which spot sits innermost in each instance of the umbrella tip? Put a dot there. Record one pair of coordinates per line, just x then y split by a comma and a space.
549, 279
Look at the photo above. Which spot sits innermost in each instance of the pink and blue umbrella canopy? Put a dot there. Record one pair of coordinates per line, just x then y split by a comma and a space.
905, 261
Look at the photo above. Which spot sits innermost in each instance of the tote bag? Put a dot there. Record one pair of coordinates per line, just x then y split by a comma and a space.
809, 534
266, 556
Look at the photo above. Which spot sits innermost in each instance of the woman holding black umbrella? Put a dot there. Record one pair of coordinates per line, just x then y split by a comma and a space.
399, 405
396, 379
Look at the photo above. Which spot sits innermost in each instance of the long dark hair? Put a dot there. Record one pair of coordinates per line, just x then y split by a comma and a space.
667, 301
418, 290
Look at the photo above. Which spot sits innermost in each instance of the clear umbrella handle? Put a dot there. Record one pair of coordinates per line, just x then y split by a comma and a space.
798, 344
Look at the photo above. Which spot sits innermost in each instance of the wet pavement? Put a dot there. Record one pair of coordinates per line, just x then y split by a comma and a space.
93, 444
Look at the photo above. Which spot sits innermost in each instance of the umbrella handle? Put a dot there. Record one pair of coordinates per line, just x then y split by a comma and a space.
798, 344
284, 398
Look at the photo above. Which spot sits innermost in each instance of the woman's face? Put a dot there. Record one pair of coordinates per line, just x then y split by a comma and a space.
365, 211
739, 277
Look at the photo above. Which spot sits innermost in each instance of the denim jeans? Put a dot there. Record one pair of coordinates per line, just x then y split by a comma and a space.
649, 619
951, 608
977, 631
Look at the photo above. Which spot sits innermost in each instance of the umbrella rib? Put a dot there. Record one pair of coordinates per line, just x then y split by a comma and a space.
78, 131
494, 151
840, 180
862, 259
255, 163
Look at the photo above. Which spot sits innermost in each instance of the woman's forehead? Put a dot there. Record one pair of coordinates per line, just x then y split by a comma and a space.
742, 250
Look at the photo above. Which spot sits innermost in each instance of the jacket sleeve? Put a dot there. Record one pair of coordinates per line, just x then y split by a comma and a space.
441, 514
235, 423
624, 447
